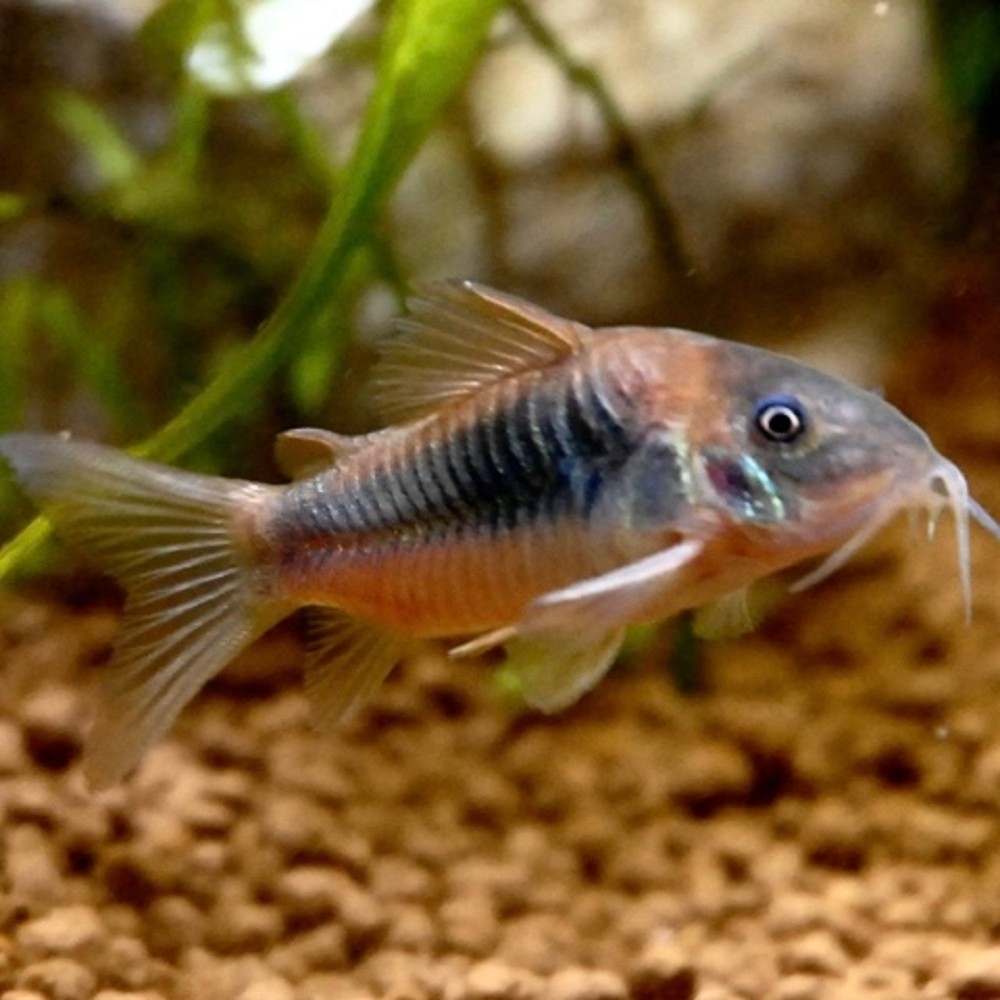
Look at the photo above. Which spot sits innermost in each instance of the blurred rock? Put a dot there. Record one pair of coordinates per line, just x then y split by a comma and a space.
59, 979
799, 150
663, 971
73, 931
53, 727
586, 984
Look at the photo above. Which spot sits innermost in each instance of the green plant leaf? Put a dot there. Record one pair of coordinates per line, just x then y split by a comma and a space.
427, 50
11, 205
86, 121
969, 43
32, 309
17, 305
85, 348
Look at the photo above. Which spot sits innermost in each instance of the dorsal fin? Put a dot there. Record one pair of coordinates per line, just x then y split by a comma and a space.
307, 451
460, 336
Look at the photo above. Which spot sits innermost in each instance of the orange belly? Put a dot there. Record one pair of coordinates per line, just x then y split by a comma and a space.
450, 586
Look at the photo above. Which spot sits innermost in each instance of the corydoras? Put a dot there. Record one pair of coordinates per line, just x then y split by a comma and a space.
543, 486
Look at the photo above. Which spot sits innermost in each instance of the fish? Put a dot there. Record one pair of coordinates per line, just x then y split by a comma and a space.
539, 486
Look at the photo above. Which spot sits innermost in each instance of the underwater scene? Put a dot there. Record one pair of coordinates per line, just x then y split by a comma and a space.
499, 500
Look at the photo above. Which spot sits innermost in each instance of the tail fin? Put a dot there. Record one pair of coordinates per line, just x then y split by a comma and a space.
170, 539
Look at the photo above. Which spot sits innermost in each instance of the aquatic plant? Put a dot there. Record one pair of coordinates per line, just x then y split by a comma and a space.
426, 50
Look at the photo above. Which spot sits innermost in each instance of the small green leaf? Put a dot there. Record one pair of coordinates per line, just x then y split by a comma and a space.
87, 352
969, 43
17, 306
11, 205
110, 152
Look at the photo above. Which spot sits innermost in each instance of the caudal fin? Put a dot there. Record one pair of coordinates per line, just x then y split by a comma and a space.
170, 540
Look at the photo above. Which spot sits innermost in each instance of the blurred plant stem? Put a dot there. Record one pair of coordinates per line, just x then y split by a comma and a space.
640, 173
427, 49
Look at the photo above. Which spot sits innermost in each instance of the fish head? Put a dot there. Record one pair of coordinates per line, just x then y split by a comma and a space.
800, 453
804, 463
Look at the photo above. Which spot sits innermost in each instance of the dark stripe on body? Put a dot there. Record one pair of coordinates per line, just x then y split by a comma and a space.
545, 454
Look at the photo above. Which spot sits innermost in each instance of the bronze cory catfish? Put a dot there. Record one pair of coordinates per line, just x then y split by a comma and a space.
544, 486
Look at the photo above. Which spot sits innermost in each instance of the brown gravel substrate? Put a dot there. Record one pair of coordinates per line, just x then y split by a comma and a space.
820, 822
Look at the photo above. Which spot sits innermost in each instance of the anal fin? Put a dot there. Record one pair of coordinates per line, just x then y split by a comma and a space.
346, 661
566, 640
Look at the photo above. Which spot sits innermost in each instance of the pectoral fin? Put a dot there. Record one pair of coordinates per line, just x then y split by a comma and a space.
611, 599
346, 662
566, 640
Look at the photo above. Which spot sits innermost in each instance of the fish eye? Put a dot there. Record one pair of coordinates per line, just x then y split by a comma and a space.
781, 419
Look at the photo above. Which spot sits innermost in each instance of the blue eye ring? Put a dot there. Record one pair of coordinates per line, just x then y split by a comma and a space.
781, 419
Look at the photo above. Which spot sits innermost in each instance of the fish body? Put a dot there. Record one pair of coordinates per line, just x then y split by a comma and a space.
453, 523
544, 486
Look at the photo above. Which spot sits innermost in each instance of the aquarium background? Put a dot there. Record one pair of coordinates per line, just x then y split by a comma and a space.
211, 212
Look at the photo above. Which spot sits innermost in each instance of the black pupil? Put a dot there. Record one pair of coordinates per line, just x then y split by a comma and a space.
780, 421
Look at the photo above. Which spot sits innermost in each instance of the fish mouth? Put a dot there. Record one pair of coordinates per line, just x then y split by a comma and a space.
943, 488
